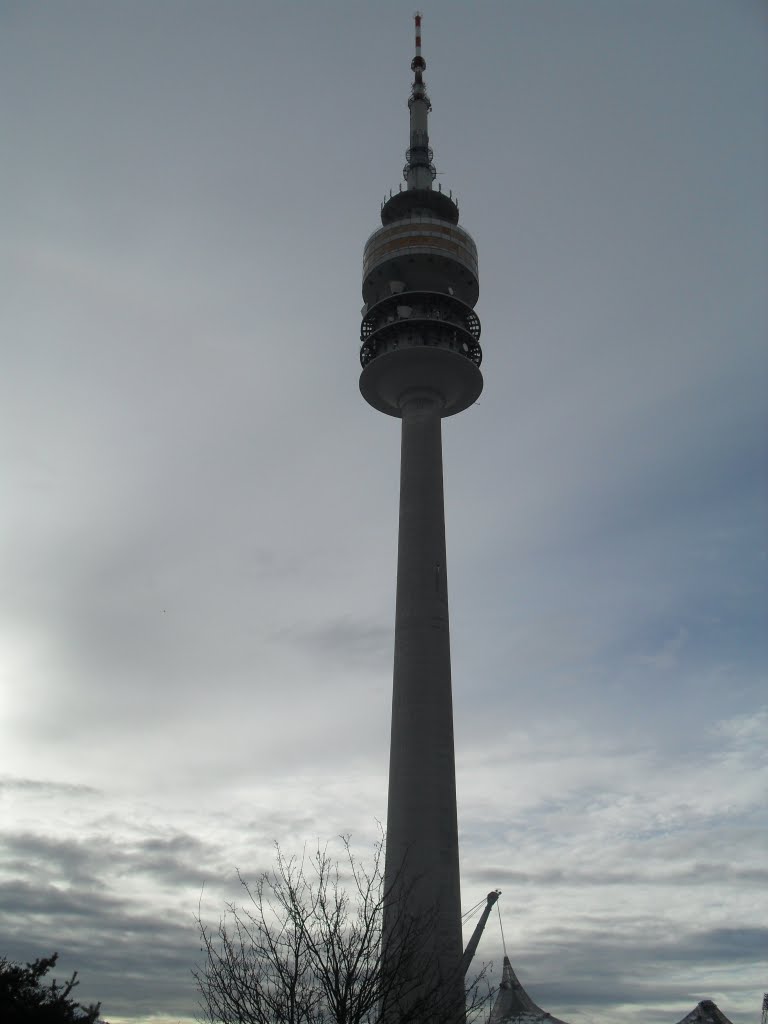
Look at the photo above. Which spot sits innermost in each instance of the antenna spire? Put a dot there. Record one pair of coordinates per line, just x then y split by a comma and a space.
419, 171
418, 63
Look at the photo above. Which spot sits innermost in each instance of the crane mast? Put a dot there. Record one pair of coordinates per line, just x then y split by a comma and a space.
469, 952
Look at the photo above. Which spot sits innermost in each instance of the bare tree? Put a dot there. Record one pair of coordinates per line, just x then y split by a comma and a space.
305, 948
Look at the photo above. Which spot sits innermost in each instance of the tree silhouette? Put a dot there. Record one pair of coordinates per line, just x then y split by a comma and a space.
25, 999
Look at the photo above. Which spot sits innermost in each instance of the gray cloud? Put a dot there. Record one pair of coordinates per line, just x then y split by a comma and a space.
694, 875
45, 787
135, 964
178, 859
201, 511
349, 642
587, 971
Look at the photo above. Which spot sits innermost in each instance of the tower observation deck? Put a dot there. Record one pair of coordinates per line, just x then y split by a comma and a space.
420, 354
420, 285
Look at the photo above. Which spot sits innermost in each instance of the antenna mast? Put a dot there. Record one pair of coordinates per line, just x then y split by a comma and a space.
419, 171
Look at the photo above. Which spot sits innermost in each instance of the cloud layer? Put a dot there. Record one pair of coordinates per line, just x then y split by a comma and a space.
199, 512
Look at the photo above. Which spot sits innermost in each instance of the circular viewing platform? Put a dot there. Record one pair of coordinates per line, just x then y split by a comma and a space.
456, 380
420, 234
425, 254
425, 319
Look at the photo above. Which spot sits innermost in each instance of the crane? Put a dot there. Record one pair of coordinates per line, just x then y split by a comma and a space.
469, 952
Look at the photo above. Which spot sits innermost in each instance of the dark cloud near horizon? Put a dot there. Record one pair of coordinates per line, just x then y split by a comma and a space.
134, 964
143, 960
142, 954
79, 897
45, 786
588, 970
695, 874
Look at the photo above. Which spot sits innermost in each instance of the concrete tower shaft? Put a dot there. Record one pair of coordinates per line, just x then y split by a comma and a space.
422, 859
421, 356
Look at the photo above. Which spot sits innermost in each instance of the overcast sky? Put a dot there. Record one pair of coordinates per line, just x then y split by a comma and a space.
198, 511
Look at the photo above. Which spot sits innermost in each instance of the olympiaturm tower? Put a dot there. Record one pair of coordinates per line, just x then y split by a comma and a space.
421, 355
